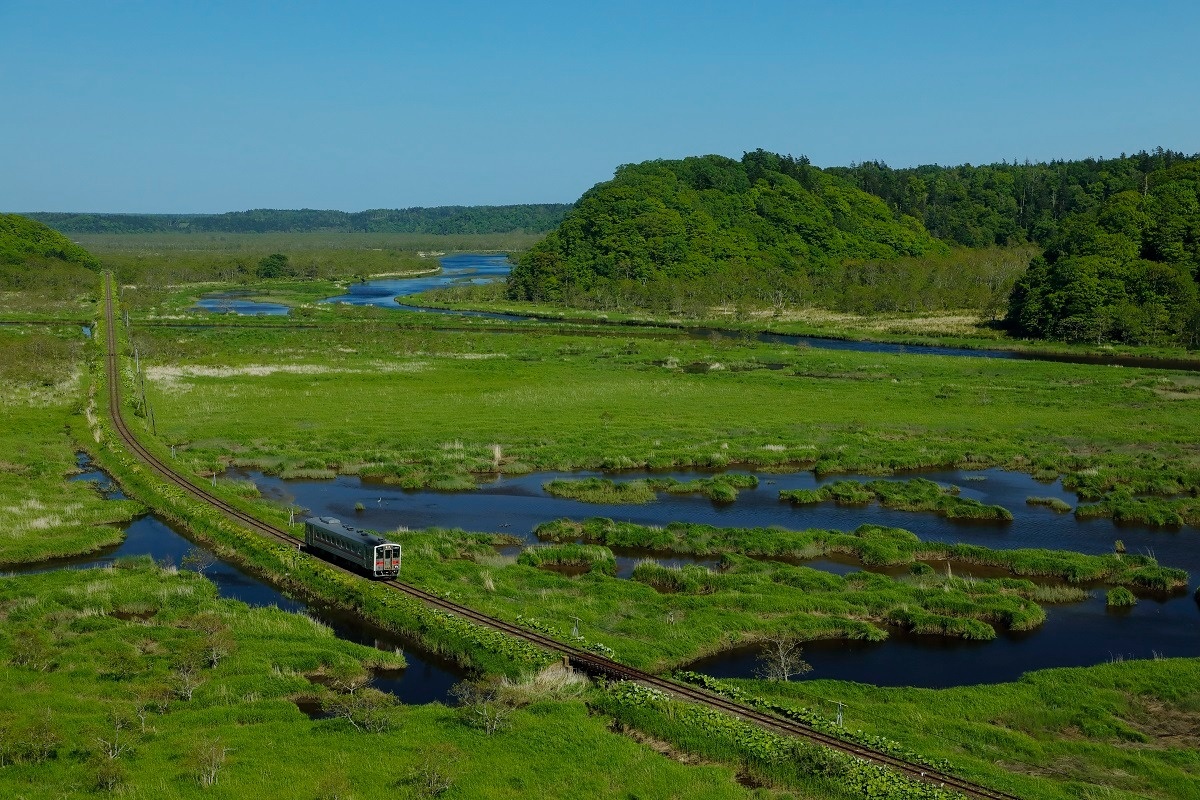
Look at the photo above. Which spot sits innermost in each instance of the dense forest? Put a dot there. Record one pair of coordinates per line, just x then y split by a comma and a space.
665, 233
1116, 241
1001, 204
530, 218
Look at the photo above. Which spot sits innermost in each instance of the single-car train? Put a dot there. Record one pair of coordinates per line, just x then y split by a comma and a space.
363, 549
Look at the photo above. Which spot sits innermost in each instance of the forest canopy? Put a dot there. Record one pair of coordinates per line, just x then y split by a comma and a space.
1125, 270
770, 220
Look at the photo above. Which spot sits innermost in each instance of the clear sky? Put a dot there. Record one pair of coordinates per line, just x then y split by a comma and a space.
176, 106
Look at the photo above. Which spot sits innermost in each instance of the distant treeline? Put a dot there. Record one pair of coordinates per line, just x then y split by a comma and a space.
441, 220
1120, 238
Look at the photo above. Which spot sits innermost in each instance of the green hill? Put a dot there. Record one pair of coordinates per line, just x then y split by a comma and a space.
767, 219
23, 240
34, 258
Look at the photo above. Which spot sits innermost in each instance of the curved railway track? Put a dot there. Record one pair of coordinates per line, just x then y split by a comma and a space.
581, 659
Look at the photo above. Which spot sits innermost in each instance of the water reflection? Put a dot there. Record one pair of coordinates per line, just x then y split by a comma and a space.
240, 302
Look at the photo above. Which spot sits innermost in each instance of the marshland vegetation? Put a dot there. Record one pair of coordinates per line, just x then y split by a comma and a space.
1121, 729
121, 679
618, 402
436, 403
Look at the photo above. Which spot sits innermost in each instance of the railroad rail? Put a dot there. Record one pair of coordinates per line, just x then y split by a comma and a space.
581, 659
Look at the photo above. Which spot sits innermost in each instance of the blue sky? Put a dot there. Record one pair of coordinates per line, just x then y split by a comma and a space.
219, 106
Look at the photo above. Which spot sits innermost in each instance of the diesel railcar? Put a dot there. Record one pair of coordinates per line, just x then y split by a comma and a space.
366, 550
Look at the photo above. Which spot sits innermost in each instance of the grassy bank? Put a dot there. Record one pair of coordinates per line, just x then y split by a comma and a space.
768, 756
721, 488
1163, 512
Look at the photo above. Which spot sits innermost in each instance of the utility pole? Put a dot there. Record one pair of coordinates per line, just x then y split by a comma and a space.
839, 714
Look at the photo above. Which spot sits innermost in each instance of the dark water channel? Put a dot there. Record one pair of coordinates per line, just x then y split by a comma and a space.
1075, 634
427, 678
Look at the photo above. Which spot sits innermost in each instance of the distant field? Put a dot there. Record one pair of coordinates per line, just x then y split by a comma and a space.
109, 243
160, 260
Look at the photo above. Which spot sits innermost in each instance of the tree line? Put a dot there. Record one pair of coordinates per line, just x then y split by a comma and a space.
440, 220
1001, 204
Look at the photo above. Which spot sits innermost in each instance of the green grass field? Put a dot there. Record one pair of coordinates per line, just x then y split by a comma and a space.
139, 682
422, 403
42, 386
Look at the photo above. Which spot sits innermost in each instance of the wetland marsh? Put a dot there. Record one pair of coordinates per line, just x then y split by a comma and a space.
440, 427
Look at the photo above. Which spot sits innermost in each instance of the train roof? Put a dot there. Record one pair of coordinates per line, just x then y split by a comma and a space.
338, 528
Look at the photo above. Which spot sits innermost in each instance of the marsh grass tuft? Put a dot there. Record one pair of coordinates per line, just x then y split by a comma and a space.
1053, 503
916, 494
1120, 597
720, 488
592, 557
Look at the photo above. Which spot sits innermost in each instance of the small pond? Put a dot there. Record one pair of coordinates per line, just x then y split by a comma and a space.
240, 302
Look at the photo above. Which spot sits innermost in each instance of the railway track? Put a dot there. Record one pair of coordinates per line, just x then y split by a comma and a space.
581, 659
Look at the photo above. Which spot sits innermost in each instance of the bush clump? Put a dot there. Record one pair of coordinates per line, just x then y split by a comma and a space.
1120, 597
1052, 503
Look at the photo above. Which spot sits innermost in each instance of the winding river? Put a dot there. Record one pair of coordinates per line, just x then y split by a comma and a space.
482, 268
1074, 634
